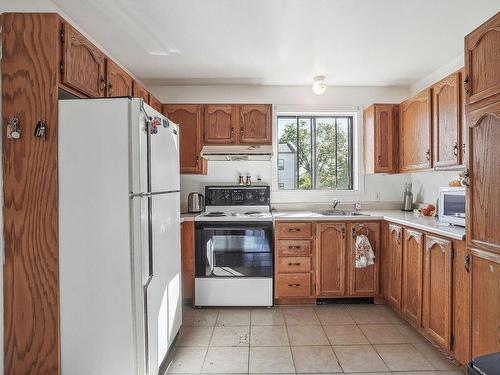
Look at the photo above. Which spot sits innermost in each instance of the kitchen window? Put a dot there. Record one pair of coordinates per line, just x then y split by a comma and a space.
315, 152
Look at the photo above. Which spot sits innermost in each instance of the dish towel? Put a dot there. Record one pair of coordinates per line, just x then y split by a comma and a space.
363, 251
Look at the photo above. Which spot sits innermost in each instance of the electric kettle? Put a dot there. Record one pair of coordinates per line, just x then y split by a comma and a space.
196, 202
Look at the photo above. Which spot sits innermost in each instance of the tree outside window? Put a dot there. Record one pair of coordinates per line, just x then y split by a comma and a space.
315, 152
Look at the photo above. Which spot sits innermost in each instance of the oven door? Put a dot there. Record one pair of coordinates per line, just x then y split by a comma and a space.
234, 249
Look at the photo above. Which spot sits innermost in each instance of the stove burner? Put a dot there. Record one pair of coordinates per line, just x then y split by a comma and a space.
253, 213
215, 214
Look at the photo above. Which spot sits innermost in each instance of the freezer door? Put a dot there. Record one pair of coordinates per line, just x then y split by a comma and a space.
163, 294
164, 162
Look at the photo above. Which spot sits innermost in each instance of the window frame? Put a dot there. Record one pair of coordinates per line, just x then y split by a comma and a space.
326, 195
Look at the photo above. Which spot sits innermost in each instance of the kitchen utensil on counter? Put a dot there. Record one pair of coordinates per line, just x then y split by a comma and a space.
408, 198
196, 202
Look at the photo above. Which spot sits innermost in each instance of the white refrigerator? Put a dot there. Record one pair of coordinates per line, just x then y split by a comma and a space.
119, 236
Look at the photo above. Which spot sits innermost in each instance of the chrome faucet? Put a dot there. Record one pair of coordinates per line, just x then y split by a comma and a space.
335, 203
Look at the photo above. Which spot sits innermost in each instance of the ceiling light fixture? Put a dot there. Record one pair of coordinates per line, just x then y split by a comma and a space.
319, 85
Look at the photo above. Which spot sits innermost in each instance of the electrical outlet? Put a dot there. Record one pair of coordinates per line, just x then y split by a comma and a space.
377, 195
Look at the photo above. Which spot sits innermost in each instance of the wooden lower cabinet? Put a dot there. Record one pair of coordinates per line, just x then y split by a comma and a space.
331, 245
411, 297
394, 249
364, 282
485, 302
437, 290
296, 285
187, 259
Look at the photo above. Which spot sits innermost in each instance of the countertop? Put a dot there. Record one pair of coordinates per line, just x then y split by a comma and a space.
428, 224
188, 216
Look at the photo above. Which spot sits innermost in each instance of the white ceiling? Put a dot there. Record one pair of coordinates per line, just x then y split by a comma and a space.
285, 42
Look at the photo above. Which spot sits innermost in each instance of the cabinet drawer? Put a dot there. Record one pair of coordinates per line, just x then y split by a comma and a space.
294, 247
293, 230
293, 285
294, 264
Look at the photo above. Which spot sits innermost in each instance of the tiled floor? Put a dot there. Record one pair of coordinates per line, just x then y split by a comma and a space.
349, 339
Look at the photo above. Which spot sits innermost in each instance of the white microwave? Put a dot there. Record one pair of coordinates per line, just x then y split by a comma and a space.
452, 205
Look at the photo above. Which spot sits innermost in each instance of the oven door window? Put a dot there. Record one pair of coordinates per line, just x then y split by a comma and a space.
454, 205
234, 252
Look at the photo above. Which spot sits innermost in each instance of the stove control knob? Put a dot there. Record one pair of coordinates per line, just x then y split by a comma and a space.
249, 195
262, 199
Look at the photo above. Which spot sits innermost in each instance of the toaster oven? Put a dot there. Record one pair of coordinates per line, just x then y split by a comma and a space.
452, 205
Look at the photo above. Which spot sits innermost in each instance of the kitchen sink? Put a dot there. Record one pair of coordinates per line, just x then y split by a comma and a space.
340, 213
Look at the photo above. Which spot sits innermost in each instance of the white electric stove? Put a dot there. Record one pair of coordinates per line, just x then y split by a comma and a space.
234, 247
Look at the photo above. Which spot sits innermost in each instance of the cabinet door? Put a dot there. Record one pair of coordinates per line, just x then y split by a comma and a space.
255, 124
83, 64
447, 122
482, 62
119, 82
386, 140
411, 298
140, 92
189, 119
463, 129
364, 281
437, 308
220, 123
485, 291
483, 194
395, 249
330, 259
154, 103
415, 133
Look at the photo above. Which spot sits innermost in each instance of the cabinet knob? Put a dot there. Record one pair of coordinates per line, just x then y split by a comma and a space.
428, 154
455, 149
293, 285
467, 262
294, 229
294, 247
466, 85
293, 264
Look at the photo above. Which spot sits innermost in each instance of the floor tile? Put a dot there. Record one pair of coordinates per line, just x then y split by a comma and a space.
373, 314
186, 360
435, 357
315, 359
387, 333
199, 317
194, 336
403, 357
425, 373
307, 335
268, 336
226, 361
334, 315
271, 360
359, 358
267, 317
300, 316
348, 334
233, 317
231, 336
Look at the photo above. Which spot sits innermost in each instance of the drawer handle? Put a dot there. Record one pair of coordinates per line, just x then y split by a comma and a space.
294, 229
293, 264
293, 285
294, 247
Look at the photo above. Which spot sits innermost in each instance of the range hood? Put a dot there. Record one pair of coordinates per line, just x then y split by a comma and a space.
237, 153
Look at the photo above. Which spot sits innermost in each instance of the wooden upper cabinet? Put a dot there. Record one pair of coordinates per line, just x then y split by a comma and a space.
482, 61
189, 118
483, 194
220, 123
463, 120
485, 292
155, 103
447, 122
119, 82
415, 132
395, 250
437, 290
364, 281
411, 297
255, 124
330, 259
381, 138
139, 91
83, 64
